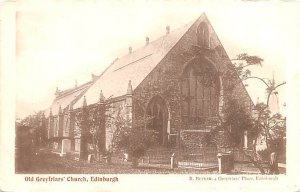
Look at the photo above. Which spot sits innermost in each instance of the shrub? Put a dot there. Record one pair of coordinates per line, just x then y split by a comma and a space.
134, 139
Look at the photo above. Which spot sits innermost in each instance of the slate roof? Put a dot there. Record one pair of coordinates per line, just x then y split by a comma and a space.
67, 98
134, 66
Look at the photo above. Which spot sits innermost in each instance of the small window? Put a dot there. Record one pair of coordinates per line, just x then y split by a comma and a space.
203, 35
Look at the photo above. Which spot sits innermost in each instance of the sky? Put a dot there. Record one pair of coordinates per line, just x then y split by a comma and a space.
58, 42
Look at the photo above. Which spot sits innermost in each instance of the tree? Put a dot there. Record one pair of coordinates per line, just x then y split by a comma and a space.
30, 135
271, 129
236, 120
268, 126
37, 124
133, 138
91, 121
264, 117
99, 121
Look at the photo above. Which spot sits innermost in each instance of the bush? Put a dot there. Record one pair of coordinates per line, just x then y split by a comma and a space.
134, 140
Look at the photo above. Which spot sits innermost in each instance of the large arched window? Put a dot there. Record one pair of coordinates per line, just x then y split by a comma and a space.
203, 35
200, 93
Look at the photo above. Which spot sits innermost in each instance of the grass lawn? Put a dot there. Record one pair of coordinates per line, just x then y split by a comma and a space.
49, 163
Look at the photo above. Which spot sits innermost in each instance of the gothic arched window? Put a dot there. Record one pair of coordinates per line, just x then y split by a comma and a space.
203, 35
157, 113
200, 93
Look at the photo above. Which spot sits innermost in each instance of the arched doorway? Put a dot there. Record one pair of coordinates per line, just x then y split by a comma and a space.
157, 115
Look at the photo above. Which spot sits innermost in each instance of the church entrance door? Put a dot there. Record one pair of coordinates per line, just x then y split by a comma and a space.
157, 113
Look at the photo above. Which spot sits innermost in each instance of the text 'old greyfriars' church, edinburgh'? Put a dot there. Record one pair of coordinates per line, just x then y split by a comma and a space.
178, 79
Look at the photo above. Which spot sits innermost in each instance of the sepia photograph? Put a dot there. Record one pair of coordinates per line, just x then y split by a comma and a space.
105, 90
176, 101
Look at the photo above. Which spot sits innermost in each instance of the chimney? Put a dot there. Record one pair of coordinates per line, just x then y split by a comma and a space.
94, 77
57, 91
102, 98
147, 40
84, 102
130, 49
167, 29
76, 83
129, 88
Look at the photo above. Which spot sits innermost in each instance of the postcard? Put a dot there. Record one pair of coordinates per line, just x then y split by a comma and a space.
149, 95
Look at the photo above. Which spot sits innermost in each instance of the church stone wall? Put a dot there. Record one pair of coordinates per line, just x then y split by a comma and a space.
164, 80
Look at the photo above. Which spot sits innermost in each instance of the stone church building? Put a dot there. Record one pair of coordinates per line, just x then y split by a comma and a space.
178, 80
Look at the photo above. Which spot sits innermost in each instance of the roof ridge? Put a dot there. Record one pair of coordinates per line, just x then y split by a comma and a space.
136, 61
160, 40
72, 90
150, 43
157, 39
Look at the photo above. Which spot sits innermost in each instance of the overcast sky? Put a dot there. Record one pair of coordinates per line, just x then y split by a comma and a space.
60, 42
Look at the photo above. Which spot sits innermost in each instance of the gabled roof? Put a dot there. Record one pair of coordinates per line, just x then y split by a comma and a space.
132, 67
66, 98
